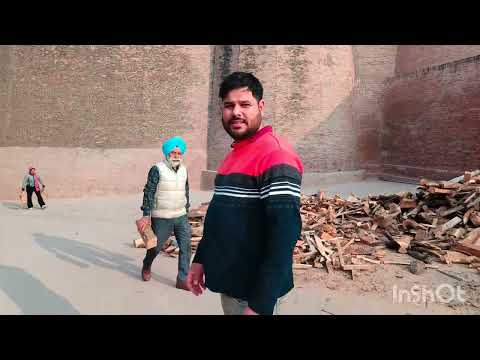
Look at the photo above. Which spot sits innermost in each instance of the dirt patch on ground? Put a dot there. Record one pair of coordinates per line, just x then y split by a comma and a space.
396, 283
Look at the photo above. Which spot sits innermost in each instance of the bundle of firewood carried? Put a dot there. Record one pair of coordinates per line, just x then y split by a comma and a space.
196, 218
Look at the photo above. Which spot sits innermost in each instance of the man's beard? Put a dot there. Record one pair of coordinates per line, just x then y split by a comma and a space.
175, 162
237, 137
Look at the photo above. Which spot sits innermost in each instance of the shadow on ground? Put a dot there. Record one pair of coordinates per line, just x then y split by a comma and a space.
31, 296
13, 205
83, 255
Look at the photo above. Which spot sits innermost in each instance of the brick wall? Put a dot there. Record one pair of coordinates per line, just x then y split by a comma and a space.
308, 99
432, 121
87, 114
224, 60
373, 64
413, 57
85, 106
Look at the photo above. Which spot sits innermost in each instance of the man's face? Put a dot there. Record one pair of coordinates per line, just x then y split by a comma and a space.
32, 171
241, 113
175, 157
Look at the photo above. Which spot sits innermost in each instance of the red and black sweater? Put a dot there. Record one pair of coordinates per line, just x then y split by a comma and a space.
253, 222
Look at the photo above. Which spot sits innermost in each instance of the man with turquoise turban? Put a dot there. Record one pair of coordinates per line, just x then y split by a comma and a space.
165, 207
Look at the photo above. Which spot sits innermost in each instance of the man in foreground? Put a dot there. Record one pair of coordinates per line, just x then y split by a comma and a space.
253, 221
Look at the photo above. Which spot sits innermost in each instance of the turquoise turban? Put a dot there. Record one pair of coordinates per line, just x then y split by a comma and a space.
172, 143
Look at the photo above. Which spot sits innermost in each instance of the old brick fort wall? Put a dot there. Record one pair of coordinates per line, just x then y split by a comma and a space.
307, 91
92, 118
431, 124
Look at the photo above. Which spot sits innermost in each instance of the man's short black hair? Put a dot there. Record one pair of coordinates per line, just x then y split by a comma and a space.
238, 80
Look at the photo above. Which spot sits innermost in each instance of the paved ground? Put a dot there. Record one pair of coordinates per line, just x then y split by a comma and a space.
76, 257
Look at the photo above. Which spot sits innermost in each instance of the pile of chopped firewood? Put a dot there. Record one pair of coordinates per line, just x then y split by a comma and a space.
439, 222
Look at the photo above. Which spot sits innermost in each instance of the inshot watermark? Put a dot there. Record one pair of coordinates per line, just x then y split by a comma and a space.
443, 293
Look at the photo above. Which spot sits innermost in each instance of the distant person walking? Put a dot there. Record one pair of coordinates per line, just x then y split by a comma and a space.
32, 183
165, 207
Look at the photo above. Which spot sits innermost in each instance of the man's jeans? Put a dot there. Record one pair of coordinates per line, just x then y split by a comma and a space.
163, 229
233, 306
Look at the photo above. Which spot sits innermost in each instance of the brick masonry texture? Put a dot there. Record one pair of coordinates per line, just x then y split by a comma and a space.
432, 121
414, 57
101, 100
85, 115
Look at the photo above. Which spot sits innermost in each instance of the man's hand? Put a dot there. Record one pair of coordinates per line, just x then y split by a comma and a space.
143, 223
249, 311
195, 279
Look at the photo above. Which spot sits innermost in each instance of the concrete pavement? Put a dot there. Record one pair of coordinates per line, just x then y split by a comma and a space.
76, 257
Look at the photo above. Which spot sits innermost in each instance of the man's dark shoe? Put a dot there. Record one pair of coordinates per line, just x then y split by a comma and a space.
182, 285
146, 274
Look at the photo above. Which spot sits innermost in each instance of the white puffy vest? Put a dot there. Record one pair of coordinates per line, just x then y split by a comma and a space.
170, 197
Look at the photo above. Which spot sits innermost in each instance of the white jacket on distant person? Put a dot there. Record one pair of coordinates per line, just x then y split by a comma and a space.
170, 198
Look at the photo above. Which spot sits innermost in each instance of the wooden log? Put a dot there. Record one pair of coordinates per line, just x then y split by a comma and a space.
348, 245
148, 237
466, 217
328, 265
383, 221
449, 185
369, 260
394, 210
302, 266
452, 210
370, 239
475, 218
421, 235
408, 203
457, 233
427, 245
309, 241
436, 190
455, 257
138, 243
410, 224
419, 256
197, 231
462, 178
467, 176
22, 196
415, 211
469, 187
470, 197
448, 225
437, 253
321, 195
359, 267
471, 243
366, 207
428, 183
359, 249
322, 249
305, 257
404, 242
472, 237
340, 253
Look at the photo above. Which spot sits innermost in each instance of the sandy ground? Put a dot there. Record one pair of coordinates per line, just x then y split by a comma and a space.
76, 257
